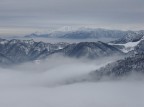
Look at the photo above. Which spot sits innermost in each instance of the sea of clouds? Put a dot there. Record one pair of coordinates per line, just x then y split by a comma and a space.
55, 83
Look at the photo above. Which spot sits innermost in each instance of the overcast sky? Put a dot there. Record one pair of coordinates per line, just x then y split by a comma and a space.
35, 14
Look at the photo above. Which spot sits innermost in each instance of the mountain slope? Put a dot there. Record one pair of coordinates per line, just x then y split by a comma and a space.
89, 50
26, 50
121, 68
139, 49
4, 60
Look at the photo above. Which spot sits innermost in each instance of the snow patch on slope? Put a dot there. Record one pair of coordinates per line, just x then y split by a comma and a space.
128, 46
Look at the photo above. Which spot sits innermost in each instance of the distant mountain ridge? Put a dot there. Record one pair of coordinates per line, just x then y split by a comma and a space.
85, 34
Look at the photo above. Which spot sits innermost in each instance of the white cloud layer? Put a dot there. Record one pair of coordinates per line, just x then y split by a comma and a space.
43, 85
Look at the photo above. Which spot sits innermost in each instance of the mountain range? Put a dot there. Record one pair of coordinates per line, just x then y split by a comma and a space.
18, 51
131, 46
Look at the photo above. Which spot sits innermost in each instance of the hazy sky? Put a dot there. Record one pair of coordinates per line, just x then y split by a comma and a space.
123, 14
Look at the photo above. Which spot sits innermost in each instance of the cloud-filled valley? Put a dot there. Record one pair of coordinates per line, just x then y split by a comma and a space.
51, 72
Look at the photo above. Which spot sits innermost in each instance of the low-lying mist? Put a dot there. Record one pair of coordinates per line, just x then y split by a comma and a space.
55, 70
54, 82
